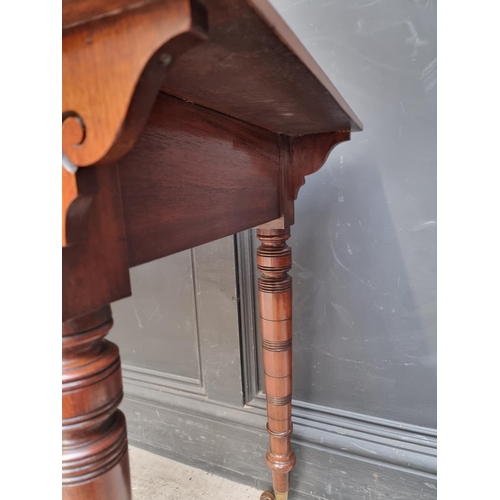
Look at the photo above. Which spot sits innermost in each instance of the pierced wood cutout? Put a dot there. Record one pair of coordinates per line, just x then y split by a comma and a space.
130, 53
105, 109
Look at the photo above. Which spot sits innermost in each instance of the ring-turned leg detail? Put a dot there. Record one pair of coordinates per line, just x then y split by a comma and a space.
95, 461
274, 260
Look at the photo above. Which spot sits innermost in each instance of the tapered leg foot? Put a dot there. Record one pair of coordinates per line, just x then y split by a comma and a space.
274, 260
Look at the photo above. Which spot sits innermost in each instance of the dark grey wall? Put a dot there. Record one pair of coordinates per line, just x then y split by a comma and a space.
364, 243
364, 253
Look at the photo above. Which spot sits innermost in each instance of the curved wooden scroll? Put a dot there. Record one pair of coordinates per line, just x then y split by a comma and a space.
113, 67
308, 155
301, 156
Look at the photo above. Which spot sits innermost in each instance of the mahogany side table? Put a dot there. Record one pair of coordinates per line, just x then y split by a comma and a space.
183, 122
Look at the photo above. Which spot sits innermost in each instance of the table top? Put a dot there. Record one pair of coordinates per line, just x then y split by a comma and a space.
251, 67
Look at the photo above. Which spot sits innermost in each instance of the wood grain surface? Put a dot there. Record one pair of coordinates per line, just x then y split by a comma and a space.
274, 260
113, 68
250, 69
193, 177
95, 271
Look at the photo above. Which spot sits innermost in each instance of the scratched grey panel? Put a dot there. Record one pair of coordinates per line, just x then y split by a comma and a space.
218, 319
364, 242
156, 328
182, 321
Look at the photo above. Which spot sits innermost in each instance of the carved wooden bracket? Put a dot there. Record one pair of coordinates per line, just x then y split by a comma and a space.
308, 155
301, 156
112, 69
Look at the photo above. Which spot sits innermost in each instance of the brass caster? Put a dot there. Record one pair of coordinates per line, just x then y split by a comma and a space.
267, 495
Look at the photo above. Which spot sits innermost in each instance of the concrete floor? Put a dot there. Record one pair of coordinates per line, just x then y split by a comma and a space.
158, 478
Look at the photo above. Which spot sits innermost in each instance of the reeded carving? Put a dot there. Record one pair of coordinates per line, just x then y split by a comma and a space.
276, 345
279, 400
274, 260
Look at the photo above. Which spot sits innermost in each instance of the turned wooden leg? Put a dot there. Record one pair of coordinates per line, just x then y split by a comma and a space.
274, 260
95, 462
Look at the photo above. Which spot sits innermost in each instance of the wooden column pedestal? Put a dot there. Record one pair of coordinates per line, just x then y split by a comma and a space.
95, 451
274, 260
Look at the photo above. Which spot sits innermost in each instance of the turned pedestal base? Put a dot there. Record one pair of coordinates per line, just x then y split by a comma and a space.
95, 461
